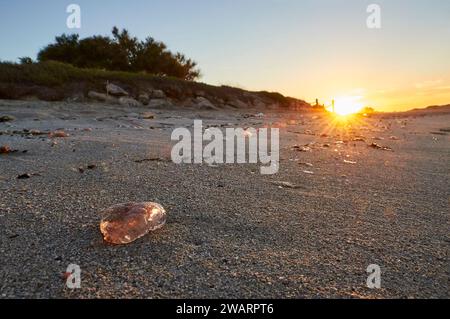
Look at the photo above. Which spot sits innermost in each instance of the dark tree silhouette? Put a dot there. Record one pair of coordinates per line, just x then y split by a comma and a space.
26, 60
122, 52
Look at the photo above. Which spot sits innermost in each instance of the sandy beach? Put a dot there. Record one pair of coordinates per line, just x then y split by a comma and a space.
231, 232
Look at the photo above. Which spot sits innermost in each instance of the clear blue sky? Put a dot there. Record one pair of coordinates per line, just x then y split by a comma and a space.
306, 49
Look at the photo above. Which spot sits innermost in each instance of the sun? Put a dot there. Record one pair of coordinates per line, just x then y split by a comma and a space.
346, 105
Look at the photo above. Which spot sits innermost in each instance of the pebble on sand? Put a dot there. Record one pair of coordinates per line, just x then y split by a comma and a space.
282, 184
379, 147
58, 134
7, 118
5, 149
24, 176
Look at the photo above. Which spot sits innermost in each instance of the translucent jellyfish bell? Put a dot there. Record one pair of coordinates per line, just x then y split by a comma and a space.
124, 223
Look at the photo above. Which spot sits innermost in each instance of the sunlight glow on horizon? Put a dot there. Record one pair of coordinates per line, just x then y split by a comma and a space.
346, 105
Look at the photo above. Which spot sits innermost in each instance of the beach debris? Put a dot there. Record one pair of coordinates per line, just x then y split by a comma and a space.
115, 90
24, 176
439, 133
306, 164
282, 184
147, 116
24, 132
6, 118
358, 139
326, 145
5, 149
65, 275
36, 132
349, 162
58, 133
309, 172
299, 148
124, 223
379, 147
82, 169
151, 159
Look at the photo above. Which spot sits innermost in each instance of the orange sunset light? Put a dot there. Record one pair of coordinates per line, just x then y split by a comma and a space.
346, 105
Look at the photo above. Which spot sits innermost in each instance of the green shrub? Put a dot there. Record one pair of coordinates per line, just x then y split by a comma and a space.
122, 52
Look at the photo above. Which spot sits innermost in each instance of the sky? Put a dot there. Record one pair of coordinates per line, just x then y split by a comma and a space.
302, 48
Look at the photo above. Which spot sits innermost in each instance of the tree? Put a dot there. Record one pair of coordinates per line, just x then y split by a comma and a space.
65, 49
122, 52
26, 60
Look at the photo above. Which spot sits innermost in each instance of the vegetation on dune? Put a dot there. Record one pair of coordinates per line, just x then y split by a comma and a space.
56, 81
53, 73
122, 52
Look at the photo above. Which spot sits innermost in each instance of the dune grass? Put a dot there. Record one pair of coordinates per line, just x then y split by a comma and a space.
56, 73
